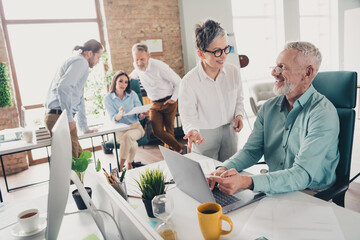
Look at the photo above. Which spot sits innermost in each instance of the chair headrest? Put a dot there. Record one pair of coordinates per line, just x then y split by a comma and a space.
338, 86
134, 84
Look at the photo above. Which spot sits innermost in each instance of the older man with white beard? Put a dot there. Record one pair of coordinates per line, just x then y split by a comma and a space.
296, 132
161, 84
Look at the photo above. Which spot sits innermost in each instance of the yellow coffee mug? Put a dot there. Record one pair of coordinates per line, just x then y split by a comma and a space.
210, 220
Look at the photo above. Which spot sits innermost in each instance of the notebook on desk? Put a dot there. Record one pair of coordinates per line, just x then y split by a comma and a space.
190, 179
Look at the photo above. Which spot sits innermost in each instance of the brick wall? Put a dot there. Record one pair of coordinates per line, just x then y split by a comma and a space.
129, 21
9, 118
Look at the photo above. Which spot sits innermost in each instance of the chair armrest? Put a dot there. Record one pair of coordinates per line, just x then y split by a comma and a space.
332, 192
260, 163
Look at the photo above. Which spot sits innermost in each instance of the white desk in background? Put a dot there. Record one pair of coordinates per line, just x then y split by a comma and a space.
80, 225
13, 147
185, 213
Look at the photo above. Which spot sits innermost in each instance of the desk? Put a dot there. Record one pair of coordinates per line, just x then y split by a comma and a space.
134, 223
185, 215
83, 221
21, 146
80, 225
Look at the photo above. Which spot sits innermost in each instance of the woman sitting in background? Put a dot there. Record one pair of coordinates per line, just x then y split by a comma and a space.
119, 101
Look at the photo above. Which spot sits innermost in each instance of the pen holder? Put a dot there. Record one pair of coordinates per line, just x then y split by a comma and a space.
120, 187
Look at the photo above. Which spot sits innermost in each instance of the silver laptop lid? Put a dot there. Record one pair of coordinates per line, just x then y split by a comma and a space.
188, 175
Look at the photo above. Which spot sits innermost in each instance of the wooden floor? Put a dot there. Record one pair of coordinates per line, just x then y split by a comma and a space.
146, 155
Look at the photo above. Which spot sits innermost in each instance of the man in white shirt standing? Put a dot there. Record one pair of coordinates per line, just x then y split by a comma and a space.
211, 97
66, 91
161, 84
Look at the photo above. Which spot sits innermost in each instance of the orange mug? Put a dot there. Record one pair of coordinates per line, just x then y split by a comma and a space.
210, 220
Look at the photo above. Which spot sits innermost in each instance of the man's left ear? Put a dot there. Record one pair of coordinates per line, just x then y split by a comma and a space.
309, 71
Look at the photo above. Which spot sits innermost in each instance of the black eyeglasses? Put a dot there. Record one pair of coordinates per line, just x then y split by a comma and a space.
218, 53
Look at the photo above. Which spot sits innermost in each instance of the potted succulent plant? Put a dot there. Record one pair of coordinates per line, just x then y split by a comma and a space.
79, 166
151, 183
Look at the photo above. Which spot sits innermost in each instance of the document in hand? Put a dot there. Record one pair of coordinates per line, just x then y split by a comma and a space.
139, 109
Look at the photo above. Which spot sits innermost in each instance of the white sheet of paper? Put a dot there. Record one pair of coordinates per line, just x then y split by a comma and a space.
284, 219
139, 109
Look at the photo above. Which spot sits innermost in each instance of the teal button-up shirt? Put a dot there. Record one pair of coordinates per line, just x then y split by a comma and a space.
300, 147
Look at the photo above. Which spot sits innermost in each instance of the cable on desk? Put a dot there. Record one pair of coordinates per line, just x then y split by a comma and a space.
99, 210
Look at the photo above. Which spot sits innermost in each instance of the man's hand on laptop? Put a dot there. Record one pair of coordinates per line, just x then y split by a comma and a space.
217, 172
230, 181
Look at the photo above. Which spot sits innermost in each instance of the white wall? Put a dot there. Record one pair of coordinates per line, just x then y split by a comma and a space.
352, 40
193, 12
343, 6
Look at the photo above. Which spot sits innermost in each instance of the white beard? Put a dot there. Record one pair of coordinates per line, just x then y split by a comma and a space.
284, 90
143, 69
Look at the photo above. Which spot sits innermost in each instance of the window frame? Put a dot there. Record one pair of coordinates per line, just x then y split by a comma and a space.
5, 24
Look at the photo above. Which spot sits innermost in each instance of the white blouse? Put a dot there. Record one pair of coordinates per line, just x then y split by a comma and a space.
208, 104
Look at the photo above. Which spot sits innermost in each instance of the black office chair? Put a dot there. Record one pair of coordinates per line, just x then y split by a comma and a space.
109, 145
340, 88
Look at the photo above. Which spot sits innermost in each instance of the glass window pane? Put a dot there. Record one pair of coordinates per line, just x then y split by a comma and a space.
34, 118
317, 31
39, 49
46, 9
314, 7
253, 8
259, 46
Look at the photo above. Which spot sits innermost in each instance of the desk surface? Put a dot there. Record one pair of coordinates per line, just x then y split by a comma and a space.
84, 223
184, 218
20, 146
185, 215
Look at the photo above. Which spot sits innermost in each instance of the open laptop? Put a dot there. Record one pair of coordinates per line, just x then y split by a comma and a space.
190, 179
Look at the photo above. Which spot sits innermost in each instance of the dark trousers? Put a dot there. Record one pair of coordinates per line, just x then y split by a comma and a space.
162, 119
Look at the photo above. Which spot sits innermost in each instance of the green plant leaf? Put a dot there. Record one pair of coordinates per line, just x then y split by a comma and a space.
151, 183
5, 91
80, 165
86, 155
98, 165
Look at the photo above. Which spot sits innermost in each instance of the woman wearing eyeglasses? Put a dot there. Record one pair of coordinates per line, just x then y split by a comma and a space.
211, 97
119, 101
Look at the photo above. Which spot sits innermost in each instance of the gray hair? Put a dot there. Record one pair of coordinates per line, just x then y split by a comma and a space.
206, 32
308, 51
140, 47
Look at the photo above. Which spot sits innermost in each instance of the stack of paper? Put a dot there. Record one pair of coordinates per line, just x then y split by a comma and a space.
284, 219
42, 134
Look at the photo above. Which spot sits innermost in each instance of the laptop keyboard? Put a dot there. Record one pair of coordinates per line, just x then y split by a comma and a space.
222, 198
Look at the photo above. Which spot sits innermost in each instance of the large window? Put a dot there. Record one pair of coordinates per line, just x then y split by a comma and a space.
41, 35
318, 24
259, 33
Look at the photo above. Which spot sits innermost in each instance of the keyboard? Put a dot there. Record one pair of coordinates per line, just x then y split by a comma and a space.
222, 198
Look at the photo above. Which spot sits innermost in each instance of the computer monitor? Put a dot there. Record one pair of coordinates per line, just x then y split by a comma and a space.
60, 169
59, 183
